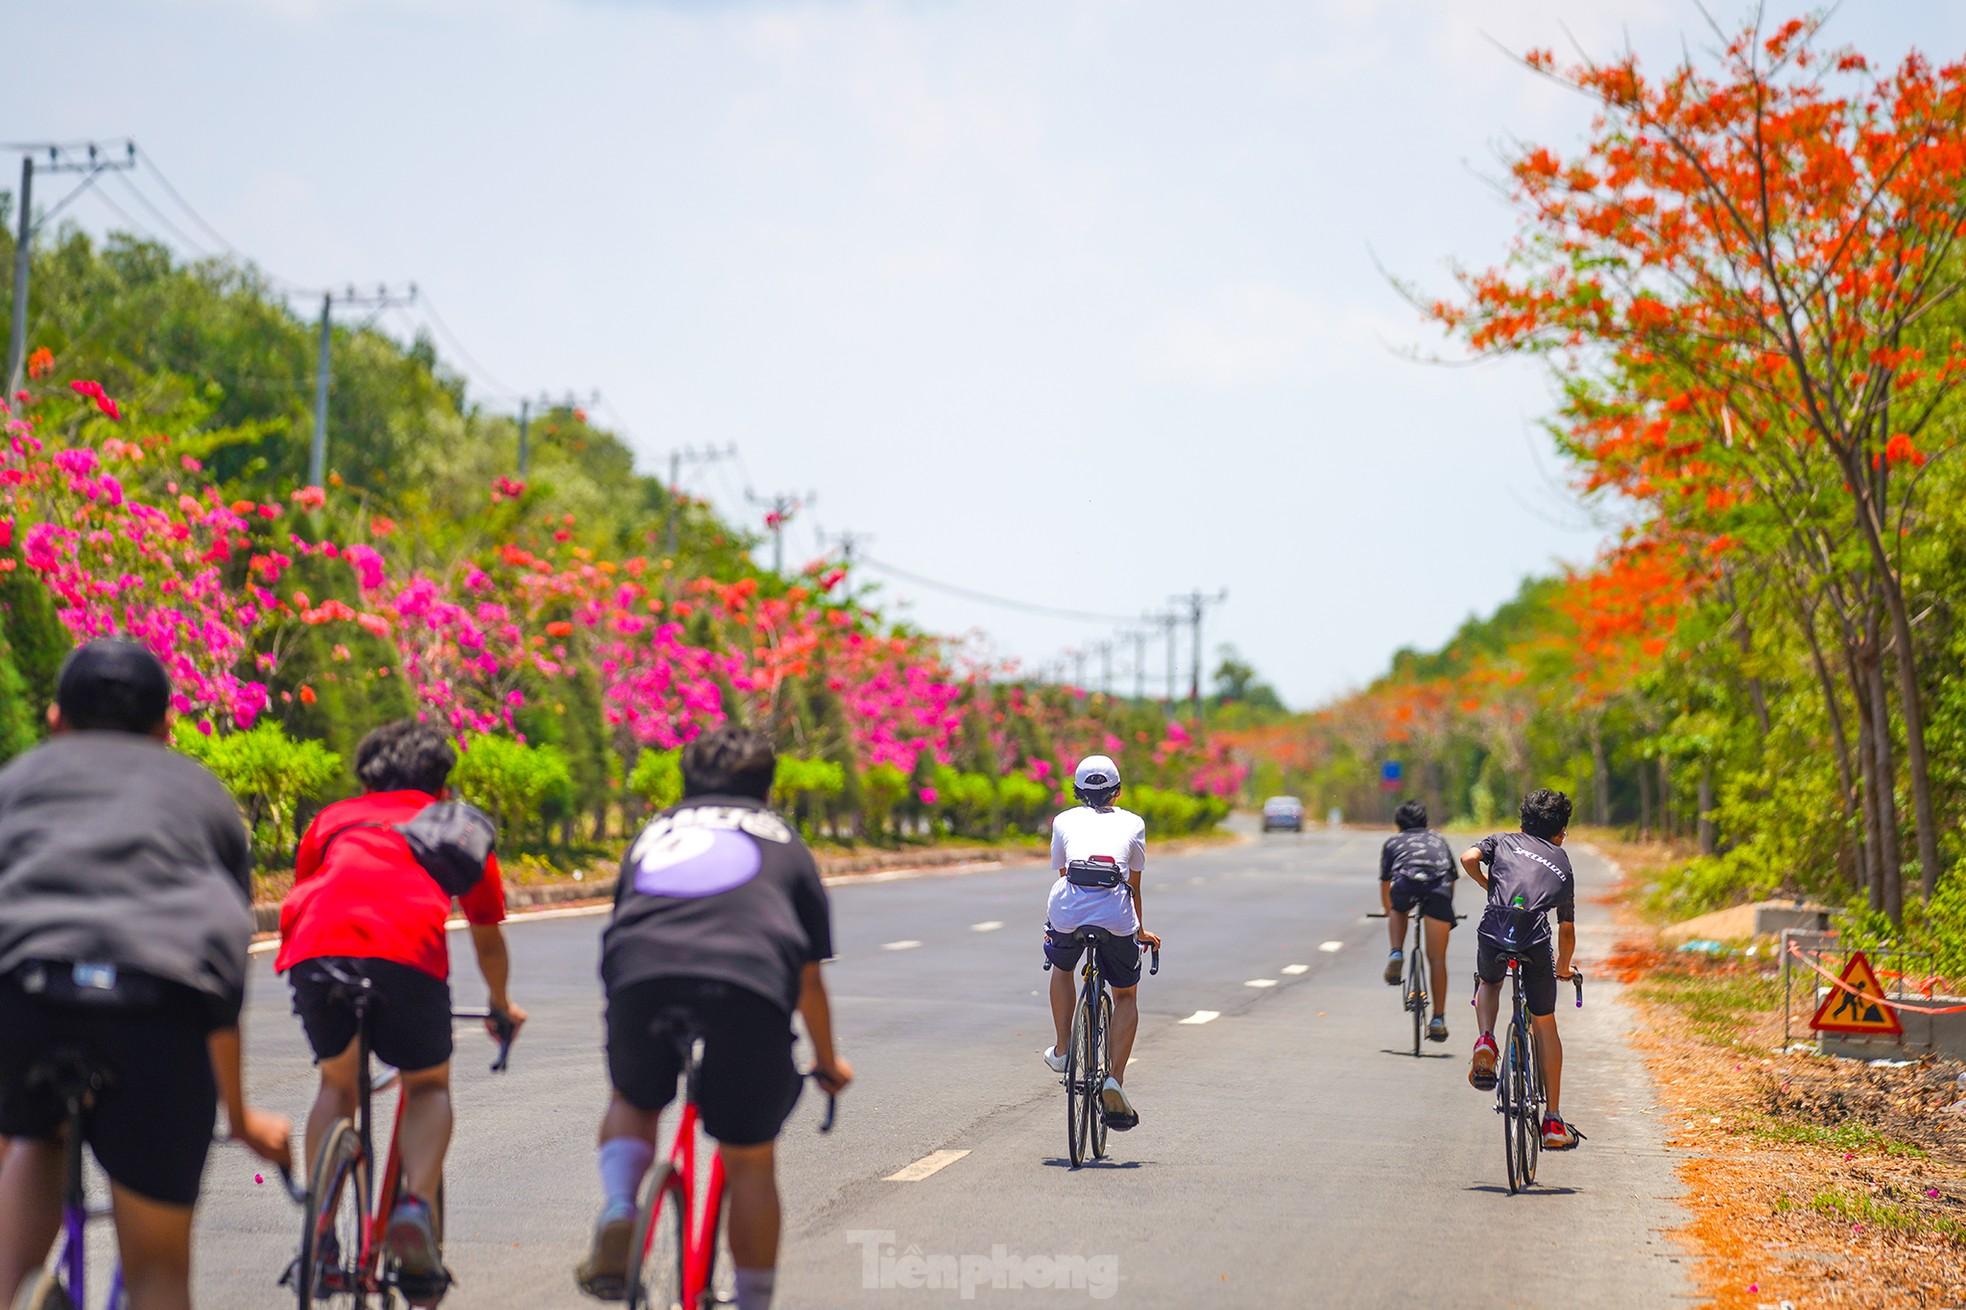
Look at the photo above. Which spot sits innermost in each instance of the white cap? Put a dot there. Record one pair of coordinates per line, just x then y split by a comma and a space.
1095, 773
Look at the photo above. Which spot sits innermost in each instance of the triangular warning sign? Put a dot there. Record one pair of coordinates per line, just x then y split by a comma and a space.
1857, 1010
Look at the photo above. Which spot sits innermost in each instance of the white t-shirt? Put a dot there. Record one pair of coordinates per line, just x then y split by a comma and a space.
1081, 834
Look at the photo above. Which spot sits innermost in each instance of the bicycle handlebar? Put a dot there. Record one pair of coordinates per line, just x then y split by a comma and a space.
502, 1025
1577, 977
1156, 965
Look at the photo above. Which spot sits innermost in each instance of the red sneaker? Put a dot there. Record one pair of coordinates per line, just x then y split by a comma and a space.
1559, 1136
1481, 1072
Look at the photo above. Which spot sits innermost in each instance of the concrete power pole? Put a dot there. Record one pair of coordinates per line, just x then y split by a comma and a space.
1138, 636
1105, 649
780, 507
677, 459
92, 162
1197, 603
382, 298
545, 402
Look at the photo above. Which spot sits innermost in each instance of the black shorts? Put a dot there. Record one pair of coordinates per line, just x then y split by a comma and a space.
748, 1083
409, 1017
151, 1124
1119, 955
1436, 900
1538, 972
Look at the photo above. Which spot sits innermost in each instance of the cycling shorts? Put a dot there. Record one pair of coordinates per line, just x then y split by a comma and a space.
748, 1083
1538, 972
1119, 955
1436, 900
409, 1011
150, 1126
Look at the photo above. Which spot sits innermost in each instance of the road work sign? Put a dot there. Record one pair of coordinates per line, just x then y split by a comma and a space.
1858, 1005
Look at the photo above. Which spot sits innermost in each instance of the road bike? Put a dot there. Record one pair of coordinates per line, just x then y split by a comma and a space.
672, 1252
1086, 1054
342, 1252
1520, 1098
1416, 996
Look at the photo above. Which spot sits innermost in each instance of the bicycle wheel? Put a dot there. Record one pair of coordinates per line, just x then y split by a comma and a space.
44, 1293
1102, 1058
1416, 996
658, 1248
1077, 1089
1533, 1100
1506, 1108
331, 1224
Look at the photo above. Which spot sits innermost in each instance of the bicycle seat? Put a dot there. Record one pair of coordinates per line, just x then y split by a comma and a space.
1089, 935
69, 1074
344, 984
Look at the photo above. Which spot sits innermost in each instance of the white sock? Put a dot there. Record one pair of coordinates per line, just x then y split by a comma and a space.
754, 1288
624, 1162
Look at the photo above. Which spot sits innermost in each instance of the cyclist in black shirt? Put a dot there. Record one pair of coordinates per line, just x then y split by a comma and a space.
719, 913
1416, 868
125, 877
1528, 874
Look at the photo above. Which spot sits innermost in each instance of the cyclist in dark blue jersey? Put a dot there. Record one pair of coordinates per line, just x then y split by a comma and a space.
1416, 871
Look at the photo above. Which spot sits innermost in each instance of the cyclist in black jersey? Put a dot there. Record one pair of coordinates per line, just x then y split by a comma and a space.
1416, 872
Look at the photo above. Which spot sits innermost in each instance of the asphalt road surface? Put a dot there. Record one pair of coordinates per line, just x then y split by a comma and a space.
1291, 1151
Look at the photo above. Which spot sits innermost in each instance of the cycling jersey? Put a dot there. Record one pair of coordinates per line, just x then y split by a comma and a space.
1085, 835
1418, 855
1527, 878
116, 849
718, 888
366, 897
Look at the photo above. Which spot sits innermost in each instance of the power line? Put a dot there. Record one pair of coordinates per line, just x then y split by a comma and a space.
451, 338
1005, 602
183, 238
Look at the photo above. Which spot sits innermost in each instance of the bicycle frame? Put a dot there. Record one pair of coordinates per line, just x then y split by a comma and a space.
74, 1223
699, 1223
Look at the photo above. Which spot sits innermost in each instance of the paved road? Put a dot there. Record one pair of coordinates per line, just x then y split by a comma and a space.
1291, 1150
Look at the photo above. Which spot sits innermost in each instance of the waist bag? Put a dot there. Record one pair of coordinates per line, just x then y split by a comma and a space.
452, 841
1099, 871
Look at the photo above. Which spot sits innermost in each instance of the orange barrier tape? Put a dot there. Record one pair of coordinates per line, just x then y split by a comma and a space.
1884, 1001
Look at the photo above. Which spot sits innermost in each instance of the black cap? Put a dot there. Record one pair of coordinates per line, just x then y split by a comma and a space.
112, 684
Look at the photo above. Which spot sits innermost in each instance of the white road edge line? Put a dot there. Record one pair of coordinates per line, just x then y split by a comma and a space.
1330, 947
1201, 1016
1295, 969
1261, 982
905, 944
932, 1163
988, 925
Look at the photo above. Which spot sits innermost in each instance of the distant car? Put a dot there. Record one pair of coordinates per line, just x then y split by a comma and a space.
1283, 813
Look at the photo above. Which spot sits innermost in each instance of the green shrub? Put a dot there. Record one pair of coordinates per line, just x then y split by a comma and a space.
806, 788
520, 786
269, 774
1024, 802
882, 788
966, 802
658, 778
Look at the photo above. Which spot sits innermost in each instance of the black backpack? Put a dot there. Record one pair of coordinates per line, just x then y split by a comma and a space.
453, 842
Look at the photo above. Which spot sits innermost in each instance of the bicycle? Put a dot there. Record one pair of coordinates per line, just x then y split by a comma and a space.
75, 1082
342, 1252
1416, 995
691, 1279
1520, 1097
1086, 1054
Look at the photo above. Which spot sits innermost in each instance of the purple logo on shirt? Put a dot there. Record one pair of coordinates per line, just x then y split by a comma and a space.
692, 862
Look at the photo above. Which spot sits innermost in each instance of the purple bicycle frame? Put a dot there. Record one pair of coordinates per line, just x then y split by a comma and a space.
74, 1261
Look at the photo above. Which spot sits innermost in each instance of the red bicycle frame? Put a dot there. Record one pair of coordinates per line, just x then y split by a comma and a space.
699, 1224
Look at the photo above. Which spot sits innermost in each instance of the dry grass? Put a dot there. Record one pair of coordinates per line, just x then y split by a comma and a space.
1815, 1181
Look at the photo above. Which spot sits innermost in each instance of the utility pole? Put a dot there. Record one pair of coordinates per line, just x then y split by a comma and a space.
1077, 656
1197, 602
382, 298
1105, 649
1167, 623
92, 162
849, 543
545, 402
780, 507
677, 458
1138, 636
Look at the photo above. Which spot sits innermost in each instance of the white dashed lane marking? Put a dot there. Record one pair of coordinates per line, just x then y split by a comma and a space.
1202, 1016
988, 925
1294, 969
907, 944
1261, 982
1330, 947
933, 1162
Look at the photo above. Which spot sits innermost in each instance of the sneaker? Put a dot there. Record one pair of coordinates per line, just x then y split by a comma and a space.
412, 1241
1053, 1060
1120, 1114
1559, 1136
1437, 1030
1481, 1072
1394, 964
604, 1273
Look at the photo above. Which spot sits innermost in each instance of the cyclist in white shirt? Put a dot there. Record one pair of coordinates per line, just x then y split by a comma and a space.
1099, 851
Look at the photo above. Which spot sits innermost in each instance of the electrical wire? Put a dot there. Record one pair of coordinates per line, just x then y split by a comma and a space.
986, 598
430, 311
183, 239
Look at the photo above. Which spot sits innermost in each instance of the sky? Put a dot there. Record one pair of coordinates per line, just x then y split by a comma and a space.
1081, 305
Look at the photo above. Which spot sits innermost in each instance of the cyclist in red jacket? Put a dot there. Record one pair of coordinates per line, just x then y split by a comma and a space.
362, 900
